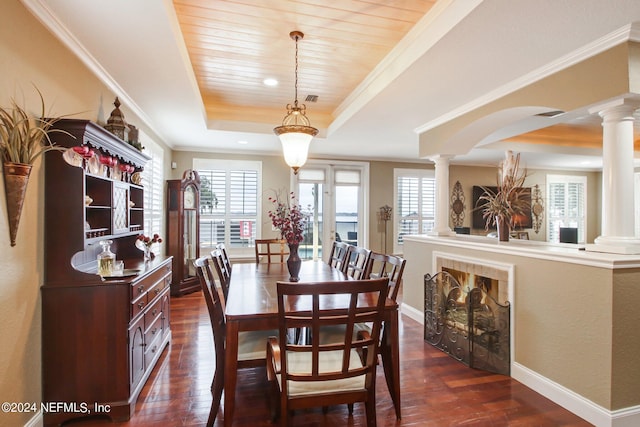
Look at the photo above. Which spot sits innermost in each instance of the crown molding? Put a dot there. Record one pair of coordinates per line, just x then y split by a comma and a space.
49, 19
621, 35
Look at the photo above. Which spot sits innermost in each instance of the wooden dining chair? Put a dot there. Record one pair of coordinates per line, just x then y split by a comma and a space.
225, 255
319, 374
357, 262
272, 250
391, 266
222, 272
251, 344
338, 255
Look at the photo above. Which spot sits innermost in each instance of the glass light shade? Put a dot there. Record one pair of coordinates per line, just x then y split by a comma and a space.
295, 144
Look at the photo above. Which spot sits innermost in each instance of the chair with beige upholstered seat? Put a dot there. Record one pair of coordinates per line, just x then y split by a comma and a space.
357, 262
271, 251
225, 256
222, 271
251, 345
338, 255
391, 266
319, 374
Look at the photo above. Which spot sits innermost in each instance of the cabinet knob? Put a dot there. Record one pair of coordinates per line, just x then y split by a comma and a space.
141, 289
157, 291
153, 350
154, 331
140, 305
155, 311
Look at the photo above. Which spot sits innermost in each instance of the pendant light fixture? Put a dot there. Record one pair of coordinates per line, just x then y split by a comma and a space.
296, 131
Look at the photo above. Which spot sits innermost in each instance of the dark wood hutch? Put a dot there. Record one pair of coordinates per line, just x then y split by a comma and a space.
100, 337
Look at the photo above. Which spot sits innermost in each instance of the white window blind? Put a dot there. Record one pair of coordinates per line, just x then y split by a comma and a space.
415, 196
229, 203
153, 182
566, 205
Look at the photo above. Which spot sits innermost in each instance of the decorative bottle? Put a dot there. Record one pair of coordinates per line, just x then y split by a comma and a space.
106, 259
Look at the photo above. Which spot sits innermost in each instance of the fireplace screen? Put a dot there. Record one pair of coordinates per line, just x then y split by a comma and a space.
466, 322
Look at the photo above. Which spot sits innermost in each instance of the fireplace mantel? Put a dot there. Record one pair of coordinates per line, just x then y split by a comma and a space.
573, 312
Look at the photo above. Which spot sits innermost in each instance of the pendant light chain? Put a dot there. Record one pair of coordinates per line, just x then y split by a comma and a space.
296, 132
296, 74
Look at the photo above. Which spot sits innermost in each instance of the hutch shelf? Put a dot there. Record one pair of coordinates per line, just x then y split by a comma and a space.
101, 338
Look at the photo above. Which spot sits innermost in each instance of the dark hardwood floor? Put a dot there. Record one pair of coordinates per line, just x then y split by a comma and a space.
436, 390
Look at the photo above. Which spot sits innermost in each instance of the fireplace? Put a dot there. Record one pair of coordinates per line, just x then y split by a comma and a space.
467, 311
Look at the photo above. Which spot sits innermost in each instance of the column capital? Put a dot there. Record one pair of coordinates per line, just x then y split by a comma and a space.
441, 158
620, 109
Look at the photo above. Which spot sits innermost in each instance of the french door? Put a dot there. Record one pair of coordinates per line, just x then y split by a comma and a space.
336, 194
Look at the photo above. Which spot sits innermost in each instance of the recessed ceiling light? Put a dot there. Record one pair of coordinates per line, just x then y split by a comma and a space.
243, 142
270, 82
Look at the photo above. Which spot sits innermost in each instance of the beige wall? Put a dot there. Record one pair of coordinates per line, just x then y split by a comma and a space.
275, 176
473, 175
574, 324
29, 55
381, 187
381, 191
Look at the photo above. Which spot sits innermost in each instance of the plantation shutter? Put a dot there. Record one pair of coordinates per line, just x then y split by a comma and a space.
566, 205
415, 203
230, 205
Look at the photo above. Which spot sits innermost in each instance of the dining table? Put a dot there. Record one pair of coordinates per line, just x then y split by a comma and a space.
252, 304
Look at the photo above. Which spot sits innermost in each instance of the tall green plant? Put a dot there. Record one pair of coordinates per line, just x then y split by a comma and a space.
24, 137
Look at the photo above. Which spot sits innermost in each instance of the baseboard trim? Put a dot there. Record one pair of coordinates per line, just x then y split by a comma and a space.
568, 399
413, 313
36, 421
571, 401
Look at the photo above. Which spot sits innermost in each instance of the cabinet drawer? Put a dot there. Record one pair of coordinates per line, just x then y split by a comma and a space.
155, 290
155, 277
152, 330
152, 312
153, 341
138, 305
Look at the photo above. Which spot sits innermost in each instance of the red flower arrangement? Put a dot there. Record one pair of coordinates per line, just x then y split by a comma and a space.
148, 241
289, 218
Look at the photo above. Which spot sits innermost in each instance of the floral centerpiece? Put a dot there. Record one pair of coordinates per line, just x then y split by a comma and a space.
501, 206
291, 220
144, 243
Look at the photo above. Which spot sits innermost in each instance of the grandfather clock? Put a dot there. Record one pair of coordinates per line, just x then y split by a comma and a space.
183, 231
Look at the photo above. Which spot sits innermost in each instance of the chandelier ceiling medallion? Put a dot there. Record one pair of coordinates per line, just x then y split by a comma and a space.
296, 131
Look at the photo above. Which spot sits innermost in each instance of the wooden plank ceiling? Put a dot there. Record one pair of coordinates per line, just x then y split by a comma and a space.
234, 45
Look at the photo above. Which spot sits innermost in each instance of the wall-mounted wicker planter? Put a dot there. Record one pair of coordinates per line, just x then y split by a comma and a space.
16, 178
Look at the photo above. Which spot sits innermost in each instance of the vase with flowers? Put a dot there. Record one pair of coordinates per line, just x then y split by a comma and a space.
144, 243
509, 200
290, 219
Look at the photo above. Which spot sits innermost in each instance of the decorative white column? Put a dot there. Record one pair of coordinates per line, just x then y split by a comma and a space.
441, 227
618, 222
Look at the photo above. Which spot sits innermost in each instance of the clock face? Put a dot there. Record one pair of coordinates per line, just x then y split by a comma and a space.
189, 198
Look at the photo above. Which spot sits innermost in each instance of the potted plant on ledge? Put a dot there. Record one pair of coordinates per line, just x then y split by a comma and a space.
501, 205
23, 138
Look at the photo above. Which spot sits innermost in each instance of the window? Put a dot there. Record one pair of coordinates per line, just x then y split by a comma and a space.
415, 196
153, 182
566, 203
229, 204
